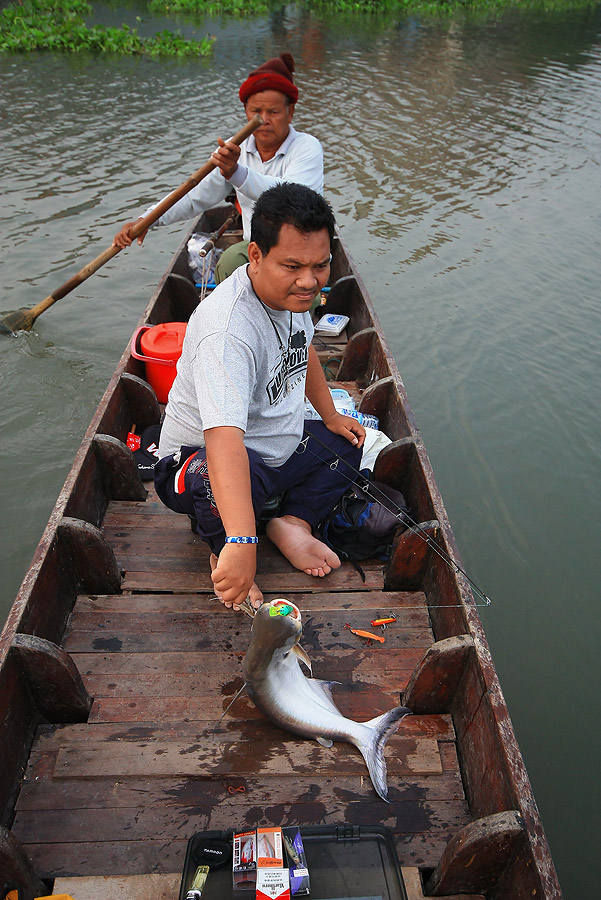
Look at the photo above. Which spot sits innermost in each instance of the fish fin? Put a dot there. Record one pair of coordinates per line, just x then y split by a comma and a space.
380, 729
303, 656
323, 692
325, 742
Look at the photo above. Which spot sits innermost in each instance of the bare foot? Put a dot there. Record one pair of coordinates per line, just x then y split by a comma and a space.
293, 537
255, 595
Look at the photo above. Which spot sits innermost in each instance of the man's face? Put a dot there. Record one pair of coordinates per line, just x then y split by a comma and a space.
276, 113
293, 271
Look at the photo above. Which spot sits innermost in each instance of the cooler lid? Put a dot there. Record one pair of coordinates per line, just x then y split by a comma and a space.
164, 341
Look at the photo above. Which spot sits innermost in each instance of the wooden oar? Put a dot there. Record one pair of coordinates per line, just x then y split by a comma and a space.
23, 319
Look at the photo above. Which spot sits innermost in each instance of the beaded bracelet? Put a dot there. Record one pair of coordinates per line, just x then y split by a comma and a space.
242, 540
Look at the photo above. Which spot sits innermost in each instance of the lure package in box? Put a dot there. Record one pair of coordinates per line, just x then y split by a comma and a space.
273, 884
297, 861
269, 848
244, 859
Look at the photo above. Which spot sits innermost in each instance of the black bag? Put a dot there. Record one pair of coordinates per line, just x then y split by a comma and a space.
361, 527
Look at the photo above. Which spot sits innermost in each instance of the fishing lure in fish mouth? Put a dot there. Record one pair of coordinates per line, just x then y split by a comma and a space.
283, 607
276, 608
366, 634
283, 610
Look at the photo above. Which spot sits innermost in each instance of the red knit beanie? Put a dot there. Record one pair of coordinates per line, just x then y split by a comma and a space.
274, 75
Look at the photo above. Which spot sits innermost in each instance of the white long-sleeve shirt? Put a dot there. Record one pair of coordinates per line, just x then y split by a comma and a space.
298, 159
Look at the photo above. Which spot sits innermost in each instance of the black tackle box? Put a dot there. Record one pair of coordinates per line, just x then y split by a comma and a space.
346, 862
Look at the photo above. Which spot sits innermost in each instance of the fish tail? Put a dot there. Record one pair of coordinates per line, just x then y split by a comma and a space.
380, 729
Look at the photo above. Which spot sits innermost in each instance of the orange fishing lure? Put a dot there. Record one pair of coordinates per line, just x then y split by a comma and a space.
383, 622
365, 634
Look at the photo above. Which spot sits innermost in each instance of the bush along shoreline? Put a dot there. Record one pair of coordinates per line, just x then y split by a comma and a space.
232, 8
59, 26
373, 9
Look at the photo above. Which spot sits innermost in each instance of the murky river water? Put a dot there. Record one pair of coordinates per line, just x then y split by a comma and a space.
463, 162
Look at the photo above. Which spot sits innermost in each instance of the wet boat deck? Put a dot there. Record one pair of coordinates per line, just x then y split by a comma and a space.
122, 793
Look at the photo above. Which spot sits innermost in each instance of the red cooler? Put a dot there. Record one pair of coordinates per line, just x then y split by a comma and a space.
161, 347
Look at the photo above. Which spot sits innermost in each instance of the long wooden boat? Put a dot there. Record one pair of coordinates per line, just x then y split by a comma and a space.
116, 664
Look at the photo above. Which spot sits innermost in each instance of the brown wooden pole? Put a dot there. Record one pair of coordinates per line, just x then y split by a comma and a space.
23, 319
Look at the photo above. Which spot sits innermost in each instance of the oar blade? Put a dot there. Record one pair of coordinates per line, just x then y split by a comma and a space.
19, 320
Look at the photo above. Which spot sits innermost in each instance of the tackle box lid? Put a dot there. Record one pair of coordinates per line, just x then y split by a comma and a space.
345, 862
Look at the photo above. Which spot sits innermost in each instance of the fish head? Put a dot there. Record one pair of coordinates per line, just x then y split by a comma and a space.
276, 629
278, 623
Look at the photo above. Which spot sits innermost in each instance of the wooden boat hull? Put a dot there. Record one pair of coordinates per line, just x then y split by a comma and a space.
111, 557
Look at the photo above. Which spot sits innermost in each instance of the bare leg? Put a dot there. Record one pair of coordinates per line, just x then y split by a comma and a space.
293, 537
255, 594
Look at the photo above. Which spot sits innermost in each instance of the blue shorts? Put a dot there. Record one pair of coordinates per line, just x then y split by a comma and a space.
310, 482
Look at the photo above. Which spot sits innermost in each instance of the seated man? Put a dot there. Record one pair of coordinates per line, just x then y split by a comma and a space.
274, 153
233, 434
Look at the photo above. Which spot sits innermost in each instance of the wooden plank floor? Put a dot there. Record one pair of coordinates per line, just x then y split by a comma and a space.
122, 794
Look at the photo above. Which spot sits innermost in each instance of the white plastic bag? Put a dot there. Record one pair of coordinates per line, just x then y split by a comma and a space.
202, 268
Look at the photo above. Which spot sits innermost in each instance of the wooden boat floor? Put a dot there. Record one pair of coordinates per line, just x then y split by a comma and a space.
122, 793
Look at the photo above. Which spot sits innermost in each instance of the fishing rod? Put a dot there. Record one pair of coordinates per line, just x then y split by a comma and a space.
209, 244
368, 488
205, 254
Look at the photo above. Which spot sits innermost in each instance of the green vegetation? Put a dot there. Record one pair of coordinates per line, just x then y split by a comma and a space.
373, 8
382, 7
59, 25
212, 7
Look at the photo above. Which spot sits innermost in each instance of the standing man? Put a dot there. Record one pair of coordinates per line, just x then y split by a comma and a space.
276, 152
234, 430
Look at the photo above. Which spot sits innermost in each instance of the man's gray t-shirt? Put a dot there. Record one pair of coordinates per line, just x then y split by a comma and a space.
244, 365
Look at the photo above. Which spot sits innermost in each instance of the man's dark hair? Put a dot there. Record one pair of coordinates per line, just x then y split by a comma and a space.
289, 204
